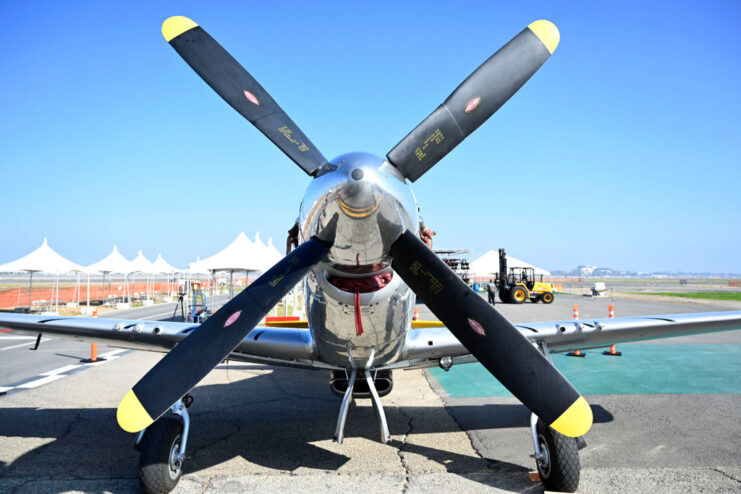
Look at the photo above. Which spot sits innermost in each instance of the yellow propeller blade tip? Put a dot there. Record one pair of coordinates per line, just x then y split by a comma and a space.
576, 420
547, 33
175, 26
131, 415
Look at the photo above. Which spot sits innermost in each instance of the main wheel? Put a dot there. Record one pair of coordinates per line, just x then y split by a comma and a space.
504, 296
547, 298
559, 467
159, 468
518, 295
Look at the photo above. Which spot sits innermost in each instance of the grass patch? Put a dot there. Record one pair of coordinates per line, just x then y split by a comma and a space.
736, 296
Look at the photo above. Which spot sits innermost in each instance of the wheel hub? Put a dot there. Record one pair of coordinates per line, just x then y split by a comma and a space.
176, 463
544, 462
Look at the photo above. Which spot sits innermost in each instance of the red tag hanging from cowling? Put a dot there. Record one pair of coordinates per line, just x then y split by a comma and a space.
358, 317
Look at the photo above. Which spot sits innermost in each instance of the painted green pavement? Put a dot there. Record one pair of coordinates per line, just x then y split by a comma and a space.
643, 369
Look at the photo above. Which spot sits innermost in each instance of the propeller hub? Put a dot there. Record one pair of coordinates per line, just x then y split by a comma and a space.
361, 204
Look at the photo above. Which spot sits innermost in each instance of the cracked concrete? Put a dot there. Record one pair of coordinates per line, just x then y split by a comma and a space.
400, 453
260, 429
252, 428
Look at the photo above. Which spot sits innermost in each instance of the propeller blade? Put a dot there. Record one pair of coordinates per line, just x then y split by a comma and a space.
238, 88
491, 338
475, 100
193, 358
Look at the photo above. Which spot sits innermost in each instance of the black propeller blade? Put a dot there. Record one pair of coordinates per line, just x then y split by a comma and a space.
189, 362
491, 338
475, 100
238, 88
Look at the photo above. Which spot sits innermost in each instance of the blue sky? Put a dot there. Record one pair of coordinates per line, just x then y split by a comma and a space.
621, 151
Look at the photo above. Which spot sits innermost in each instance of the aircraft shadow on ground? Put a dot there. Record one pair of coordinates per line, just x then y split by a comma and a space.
270, 419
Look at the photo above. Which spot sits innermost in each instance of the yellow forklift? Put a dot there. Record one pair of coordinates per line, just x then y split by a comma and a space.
519, 284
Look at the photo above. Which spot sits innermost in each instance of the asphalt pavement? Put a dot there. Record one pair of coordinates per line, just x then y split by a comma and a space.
21, 368
257, 429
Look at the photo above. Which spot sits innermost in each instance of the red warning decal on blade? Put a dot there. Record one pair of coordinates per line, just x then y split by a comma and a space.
471, 106
251, 98
232, 319
476, 326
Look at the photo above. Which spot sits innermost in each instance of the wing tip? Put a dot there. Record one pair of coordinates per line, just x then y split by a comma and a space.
131, 415
547, 33
576, 420
175, 26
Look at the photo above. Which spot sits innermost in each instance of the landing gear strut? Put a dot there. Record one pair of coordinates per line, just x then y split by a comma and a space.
162, 447
375, 399
556, 456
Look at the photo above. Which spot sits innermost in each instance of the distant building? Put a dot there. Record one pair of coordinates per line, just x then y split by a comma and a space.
586, 270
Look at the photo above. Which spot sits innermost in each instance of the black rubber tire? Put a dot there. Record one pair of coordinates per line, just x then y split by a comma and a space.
154, 461
516, 292
562, 474
504, 296
547, 298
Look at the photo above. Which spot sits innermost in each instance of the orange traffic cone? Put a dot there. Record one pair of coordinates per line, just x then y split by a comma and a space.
415, 317
93, 355
576, 353
613, 349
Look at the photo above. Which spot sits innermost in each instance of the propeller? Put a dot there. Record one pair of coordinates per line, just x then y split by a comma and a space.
194, 357
238, 88
475, 100
491, 338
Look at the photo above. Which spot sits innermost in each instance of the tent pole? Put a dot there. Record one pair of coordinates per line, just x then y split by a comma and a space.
30, 292
231, 284
88, 290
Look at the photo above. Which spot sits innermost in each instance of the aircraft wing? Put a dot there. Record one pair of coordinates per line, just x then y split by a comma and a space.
271, 345
426, 346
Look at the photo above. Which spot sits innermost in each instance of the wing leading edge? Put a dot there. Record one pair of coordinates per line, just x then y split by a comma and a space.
277, 346
425, 347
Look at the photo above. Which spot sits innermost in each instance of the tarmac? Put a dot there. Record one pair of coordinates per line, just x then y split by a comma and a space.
257, 428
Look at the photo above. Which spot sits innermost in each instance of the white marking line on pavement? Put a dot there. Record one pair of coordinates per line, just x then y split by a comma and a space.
40, 382
2, 338
22, 344
61, 370
154, 317
57, 374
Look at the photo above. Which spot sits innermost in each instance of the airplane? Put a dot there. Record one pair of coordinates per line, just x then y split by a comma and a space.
362, 266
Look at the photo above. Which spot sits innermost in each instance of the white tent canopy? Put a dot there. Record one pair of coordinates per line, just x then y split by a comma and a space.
197, 267
161, 266
272, 255
114, 262
488, 264
240, 255
45, 260
141, 264
261, 253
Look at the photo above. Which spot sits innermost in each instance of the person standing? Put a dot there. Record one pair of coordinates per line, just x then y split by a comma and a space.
492, 288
